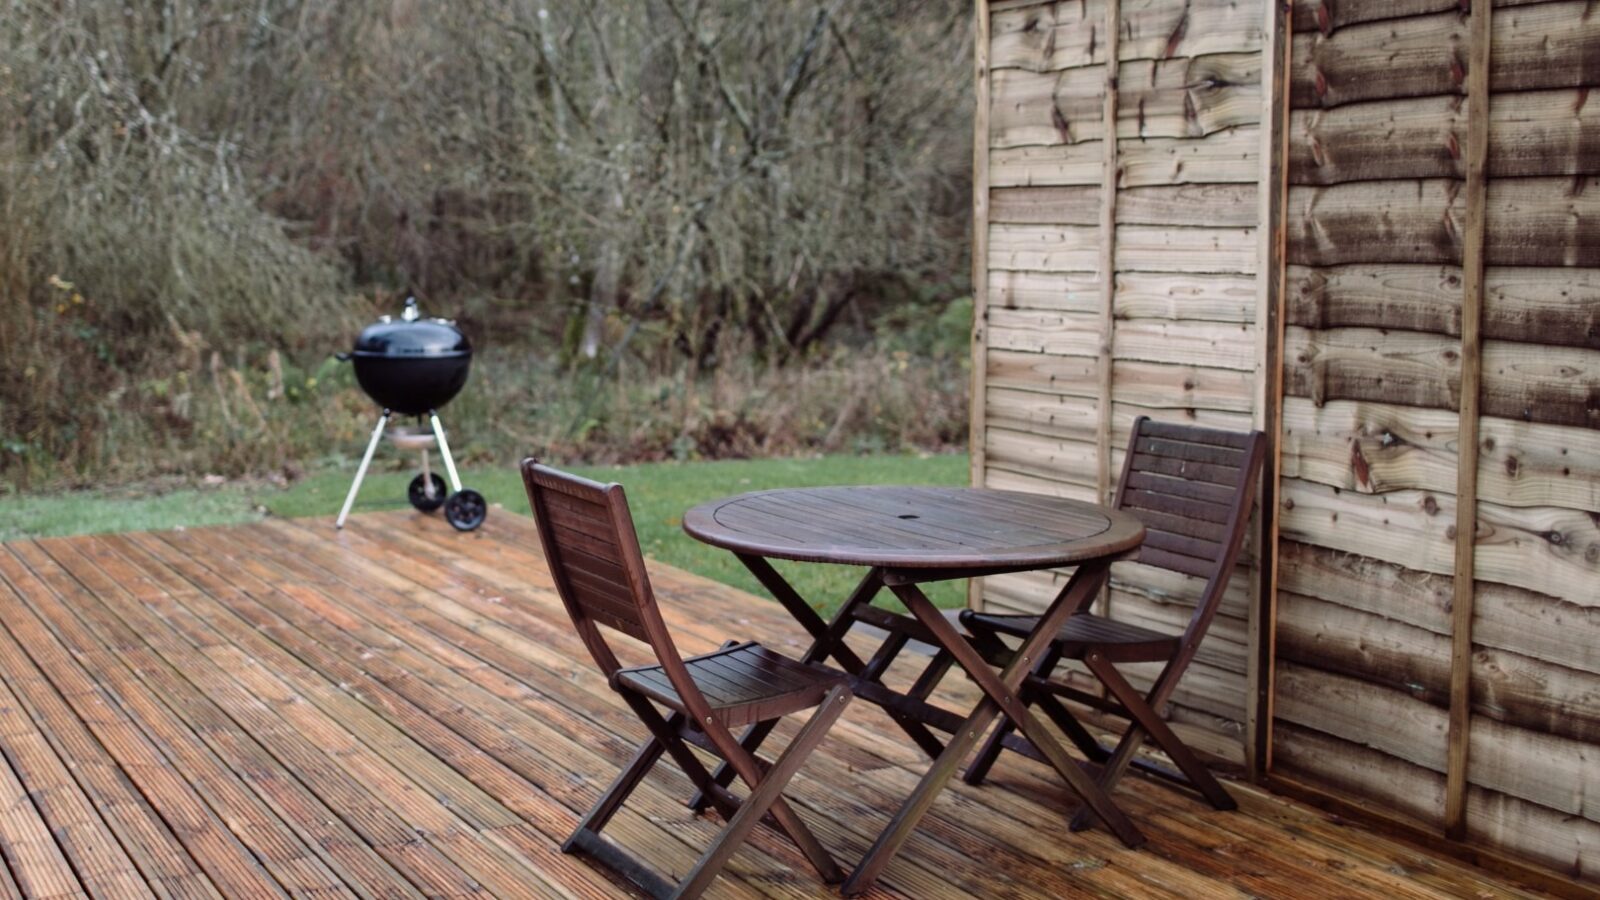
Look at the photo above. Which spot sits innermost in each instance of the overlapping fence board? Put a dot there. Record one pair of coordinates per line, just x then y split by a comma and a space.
1178, 338
1373, 427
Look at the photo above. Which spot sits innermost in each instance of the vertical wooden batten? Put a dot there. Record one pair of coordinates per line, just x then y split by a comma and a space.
1466, 528
1270, 294
980, 261
1108, 268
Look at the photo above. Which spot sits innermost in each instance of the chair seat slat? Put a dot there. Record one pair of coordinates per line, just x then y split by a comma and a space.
736, 679
1083, 631
770, 677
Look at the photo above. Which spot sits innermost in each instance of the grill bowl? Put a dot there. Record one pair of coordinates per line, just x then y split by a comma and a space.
411, 365
414, 385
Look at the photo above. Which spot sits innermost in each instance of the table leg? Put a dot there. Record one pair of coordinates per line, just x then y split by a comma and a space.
1000, 696
1003, 688
829, 637
916, 806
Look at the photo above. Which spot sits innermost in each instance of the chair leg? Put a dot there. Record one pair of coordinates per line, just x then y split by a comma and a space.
986, 757
723, 775
1147, 723
586, 837
766, 798
667, 732
621, 862
766, 794
801, 748
643, 760
756, 734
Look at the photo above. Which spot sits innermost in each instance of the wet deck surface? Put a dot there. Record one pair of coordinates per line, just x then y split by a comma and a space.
401, 710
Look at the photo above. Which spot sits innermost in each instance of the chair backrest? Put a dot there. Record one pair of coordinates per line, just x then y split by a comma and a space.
1194, 489
594, 557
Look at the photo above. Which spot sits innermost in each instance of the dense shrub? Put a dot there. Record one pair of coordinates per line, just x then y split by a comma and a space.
753, 219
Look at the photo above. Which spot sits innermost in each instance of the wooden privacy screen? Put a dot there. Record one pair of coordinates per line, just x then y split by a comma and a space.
1120, 275
1417, 327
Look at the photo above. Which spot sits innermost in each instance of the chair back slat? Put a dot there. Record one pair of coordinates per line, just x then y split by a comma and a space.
1200, 557
1194, 489
1178, 523
595, 561
1157, 499
1175, 467
1176, 562
1197, 434
1157, 483
1190, 451
587, 559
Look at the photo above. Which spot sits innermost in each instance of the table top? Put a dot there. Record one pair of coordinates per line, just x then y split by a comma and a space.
914, 527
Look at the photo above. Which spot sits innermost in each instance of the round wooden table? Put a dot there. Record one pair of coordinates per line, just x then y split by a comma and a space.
914, 527
907, 536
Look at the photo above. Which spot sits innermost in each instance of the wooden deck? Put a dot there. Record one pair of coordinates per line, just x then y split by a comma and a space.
400, 710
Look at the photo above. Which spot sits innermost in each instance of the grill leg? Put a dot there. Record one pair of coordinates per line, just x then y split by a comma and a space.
444, 451
427, 481
361, 472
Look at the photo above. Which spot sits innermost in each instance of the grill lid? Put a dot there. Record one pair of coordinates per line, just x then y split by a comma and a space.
412, 337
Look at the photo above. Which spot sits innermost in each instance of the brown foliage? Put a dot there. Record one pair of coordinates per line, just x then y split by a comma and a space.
665, 185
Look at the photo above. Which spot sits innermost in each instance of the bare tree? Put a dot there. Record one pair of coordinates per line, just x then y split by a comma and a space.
646, 178
688, 163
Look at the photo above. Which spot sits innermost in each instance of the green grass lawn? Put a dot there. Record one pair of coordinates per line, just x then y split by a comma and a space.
658, 492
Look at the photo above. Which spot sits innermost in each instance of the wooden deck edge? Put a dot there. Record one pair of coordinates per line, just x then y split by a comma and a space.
1421, 837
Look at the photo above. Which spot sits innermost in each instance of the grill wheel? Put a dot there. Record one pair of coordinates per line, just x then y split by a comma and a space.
466, 509
421, 497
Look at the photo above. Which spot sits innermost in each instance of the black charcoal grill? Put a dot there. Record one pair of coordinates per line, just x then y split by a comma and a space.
411, 367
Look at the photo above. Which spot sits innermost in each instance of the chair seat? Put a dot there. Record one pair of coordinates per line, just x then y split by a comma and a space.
1119, 641
743, 683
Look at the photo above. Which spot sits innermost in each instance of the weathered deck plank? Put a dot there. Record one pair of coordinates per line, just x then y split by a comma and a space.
399, 710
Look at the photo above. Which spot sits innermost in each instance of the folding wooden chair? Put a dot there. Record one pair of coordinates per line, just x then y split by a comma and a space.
594, 556
1193, 489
